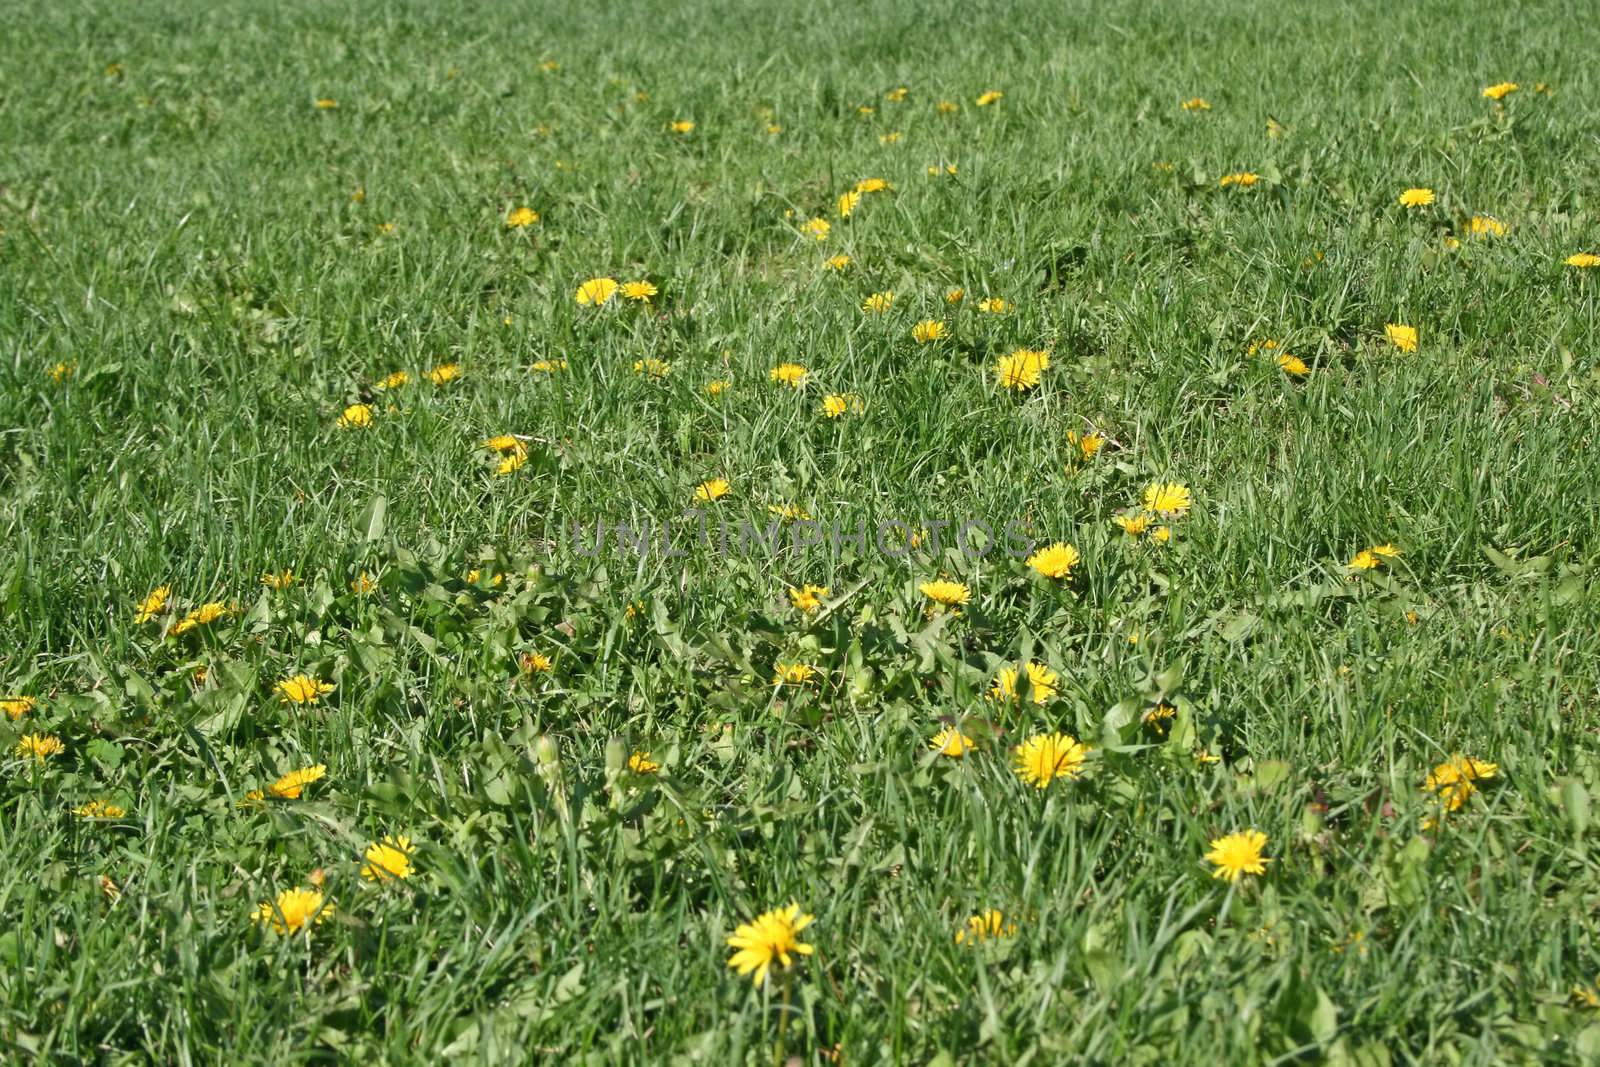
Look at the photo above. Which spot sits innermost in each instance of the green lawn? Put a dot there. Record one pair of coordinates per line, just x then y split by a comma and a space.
226, 226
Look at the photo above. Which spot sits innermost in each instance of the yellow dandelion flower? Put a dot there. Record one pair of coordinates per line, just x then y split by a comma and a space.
652, 368
152, 605
393, 381
1454, 779
993, 305
537, 662
641, 763
1055, 561
715, 489
1196, 103
1583, 260
17, 707
522, 216
278, 579
549, 366
834, 405
293, 910
989, 97
1401, 336
1274, 127
872, 185
511, 463
1500, 90
895, 96
878, 303
327, 103
947, 107
952, 742
718, 387
1159, 718
303, 689
1021, 369
772, 938
1243, 179
955, 296
1293, 365
866, 109
40, 746
385, 228
1237, 854
1486, 226
984, 926
504, 442
890, 138
808, 598
596, 291
1088, 444
1168, 498
947, 593
1043, 758
355, 417
444, 373
927, 331
792, 673
790, 374
389, 858
290, 785
774, 128
60, 372
683, 126
818, 228
204, 615
641, 291
837, 262
848, 202
1416, 197
1134, 524
363, 583
1042, 683
789, 512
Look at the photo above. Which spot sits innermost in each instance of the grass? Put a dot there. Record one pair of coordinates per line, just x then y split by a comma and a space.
207, 257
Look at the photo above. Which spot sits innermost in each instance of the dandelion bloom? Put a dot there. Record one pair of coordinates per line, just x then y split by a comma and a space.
1416, 198
444, 373
1055, 561
790, 374
983, 926
1402, 337
947, 107
1042, 682
1043, 758
1021, 369
718, 387
548, 366
17, 707
290, 785
878, 303
389, 858
792, 673
61, 372
293, 910
641, 763
808, 598
641, 291
1242, 178
788, 512
772, 937
152, 605
1159, 718
927, 331
303, 689
355, 417
1238, 854
1583, 260
511, 463
652, 368
954, 296
1133, 524
40, 746
837, 262
896, 95
952, 742
683, 126
204, 615
327, 103
1486, 226
890, 138
1168, 498
100, 809
1088, 444
278, 579
1369, 559
848, 202
504, 442
596, 291
1293, 365
715, 489
1453, 780
993, 305
774, 128
522, 216
393, 381
872, 185
363, 583
950, 594
1197, 103
1500, 90
537, 663
834, 405
989, 97
818, 228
